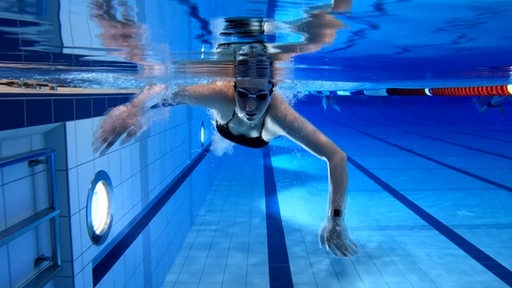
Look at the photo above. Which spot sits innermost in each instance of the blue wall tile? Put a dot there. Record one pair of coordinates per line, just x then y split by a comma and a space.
12, 114
39, 111
112, 102
99, 106
83, 108
63, 110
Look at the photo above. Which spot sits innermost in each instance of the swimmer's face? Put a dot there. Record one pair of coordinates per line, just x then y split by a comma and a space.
252, 97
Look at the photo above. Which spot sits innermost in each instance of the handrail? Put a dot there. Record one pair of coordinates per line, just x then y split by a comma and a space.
15, 159
14, 231
29, 223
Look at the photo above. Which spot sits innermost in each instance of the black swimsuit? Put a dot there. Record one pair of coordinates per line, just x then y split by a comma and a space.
253, 142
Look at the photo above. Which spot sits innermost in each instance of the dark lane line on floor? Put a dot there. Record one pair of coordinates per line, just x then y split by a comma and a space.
279, 271
459, 145
379, 124
431, 137
482, 136
462, 171
484, 259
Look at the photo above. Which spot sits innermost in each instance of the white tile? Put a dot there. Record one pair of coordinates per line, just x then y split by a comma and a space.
19, 200
79, 278
125, 163
114, 166
87, 275
73, 191
4, 263
22, 252
89, 254
15, 146
85, 173
83, 138
44, 234
3, 221
86, 240
56, 140
71, 149
16, 172
42, 190
65, 238
76, 235
63, 282
37, 142
134, 160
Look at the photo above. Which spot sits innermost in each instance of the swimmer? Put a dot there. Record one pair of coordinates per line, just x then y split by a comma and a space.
247, 111
328, 101
484, 103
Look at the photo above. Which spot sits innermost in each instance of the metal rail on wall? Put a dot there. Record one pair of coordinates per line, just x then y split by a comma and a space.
45, 266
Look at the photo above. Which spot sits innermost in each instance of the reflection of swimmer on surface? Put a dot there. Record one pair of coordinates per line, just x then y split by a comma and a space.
121, 33
247, 111
484, 103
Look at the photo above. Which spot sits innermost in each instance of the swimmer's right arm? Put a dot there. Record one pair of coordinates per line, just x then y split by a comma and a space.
212, 95
127, 119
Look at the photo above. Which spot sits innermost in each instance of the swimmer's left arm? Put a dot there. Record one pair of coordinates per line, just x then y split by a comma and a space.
307, 135
297, 128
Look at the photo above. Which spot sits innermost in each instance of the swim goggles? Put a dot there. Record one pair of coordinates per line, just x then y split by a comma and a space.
244, 94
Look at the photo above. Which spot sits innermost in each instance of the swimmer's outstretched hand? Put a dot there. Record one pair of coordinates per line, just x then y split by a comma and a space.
126, 119
334, 235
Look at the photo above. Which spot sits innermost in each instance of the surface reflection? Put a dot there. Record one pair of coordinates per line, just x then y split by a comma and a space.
120, 30
312, 32
384, 43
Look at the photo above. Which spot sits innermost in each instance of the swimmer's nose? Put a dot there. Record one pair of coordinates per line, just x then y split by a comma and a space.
251, 104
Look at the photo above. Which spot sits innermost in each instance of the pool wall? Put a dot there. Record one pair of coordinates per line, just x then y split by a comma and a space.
140, 171
152, 167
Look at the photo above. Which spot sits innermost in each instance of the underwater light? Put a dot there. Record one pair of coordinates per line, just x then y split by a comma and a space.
202, 134
99, 216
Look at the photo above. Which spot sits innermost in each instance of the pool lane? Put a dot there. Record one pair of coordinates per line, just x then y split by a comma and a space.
403, 241
484, 259
485, 151
453, 165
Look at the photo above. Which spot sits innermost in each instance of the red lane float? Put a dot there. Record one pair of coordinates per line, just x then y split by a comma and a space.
496, 90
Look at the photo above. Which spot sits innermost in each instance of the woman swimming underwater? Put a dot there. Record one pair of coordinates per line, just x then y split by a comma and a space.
249, 112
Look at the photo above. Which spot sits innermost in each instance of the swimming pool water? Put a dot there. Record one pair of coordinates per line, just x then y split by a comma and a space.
427, 203
430, 186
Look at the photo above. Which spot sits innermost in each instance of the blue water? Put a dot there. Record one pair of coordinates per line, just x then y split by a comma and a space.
428, 203
430, 188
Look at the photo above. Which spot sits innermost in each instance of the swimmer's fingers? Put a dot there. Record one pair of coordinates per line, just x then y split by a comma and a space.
342, 247
131, 133
120, 120
334, 235
108, 142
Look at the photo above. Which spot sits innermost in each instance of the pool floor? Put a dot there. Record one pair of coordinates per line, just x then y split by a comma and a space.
428, 204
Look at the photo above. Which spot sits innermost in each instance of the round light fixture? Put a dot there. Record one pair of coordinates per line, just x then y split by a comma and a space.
99, 216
